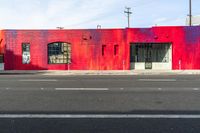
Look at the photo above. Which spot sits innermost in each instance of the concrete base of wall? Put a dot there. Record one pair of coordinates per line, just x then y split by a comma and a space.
107, 72
155, 66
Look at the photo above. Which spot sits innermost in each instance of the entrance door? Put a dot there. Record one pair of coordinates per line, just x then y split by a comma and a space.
148, 57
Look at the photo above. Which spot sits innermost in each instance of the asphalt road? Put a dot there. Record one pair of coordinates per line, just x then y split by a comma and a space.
157, 104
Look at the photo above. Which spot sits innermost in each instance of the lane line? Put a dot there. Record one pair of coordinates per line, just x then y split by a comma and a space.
102, 89
196, 89
102, 116
158, 80
38, 80
81, 89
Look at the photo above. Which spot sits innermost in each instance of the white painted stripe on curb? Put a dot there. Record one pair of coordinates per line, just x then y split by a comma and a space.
102, 116
158, 80
81, 89
38, 80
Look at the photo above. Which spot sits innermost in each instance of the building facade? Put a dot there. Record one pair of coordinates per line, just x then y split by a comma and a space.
168, 48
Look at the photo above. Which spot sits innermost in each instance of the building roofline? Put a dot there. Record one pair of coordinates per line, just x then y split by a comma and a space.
97, 29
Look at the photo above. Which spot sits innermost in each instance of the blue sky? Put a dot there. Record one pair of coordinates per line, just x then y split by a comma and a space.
73, 14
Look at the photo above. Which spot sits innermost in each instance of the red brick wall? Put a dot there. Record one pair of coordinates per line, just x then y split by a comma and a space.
87, 47
185, 43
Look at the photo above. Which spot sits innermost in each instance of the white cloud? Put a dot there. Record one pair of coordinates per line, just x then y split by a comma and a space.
160, 20
78, 13
53, 13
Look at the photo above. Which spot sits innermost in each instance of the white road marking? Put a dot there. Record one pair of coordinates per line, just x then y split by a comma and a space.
157, 80
38, 80
102, 116
82, 89
42, 88
196, 89
159, 89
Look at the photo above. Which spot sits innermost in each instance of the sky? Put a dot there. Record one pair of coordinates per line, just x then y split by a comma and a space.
87, 14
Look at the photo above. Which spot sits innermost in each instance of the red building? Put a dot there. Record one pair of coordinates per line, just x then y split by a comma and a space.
101, 49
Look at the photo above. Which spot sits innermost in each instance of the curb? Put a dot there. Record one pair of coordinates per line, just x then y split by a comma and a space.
74, 73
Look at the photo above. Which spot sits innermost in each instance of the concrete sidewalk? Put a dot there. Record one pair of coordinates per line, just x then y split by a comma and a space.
127, 72
107, 72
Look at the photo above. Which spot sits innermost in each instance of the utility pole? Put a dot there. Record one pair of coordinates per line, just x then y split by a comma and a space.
128, 12
190, 12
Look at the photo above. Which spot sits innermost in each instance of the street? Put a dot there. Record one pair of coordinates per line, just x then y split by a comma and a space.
38, 103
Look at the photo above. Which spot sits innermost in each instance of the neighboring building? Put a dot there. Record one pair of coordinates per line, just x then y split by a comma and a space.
101, 49
195, 21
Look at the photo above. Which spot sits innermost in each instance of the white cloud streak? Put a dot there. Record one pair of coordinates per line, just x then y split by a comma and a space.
53, 13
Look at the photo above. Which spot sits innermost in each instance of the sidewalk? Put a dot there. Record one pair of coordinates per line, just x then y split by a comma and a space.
107, 72
127, 72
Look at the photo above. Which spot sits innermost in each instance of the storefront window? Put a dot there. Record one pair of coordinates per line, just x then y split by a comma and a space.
150, 52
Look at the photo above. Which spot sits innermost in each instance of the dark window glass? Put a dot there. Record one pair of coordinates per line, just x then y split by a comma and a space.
103, 49
116, 49
150, 52
25, 47
1, 59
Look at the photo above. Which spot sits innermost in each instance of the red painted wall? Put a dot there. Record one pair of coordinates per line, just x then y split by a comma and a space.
185, 43
87, 47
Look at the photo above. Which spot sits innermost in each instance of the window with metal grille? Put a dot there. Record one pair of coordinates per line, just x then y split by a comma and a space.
26, 57
59, 53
